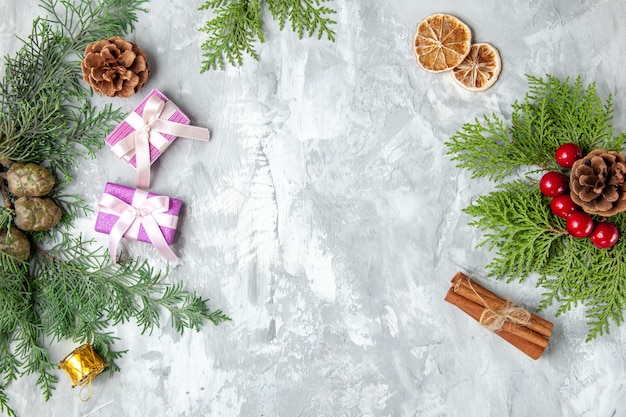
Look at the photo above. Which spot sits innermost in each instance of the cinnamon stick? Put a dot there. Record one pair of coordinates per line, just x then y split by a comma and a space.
478, 294
532, 339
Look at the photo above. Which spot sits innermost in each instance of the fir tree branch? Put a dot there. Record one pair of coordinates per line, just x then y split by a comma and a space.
4, 404
84, 22
232, 32
520, 226
552, 113
20, 324
305, 16
79, 287
485, 149
238, 24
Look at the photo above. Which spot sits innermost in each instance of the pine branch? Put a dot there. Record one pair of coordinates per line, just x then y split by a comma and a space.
82, 290
552, 113
20, 324
305, 16
576, 114
83, 22
521, 227
4, 404
232, 32
238, 24
485, 149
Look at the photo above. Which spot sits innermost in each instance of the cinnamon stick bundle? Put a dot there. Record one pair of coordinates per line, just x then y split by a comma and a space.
524, 330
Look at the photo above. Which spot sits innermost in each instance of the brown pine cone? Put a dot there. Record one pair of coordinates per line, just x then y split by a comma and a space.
115, 67
597, 182
36, 214
15, 244
28, 179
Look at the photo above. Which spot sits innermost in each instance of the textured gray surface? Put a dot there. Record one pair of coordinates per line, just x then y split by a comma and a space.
325, 219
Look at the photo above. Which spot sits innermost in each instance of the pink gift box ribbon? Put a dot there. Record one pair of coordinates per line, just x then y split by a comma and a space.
149, 130
147, 211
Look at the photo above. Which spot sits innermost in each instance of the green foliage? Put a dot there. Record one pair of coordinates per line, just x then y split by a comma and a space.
237, 24
46, 114
552, 113
83, 22
232, 32
305, 16
516, 218
81, 294
73, 292
68, 289
520, 226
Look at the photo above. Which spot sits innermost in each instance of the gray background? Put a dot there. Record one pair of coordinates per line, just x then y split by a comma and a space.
325, 218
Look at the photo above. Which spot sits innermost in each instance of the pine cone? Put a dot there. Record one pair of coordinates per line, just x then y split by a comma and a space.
115, 67
36, 214
16, 245
597, 182
29, 179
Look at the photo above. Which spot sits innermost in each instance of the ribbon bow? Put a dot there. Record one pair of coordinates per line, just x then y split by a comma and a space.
146, 212
149, 130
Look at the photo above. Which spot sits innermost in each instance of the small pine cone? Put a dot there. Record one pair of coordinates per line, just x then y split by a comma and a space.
15, 244
29, 179
115, 67
597, 182
36, 214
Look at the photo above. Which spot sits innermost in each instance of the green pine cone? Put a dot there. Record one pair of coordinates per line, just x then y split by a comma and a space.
29, 179
36, 214
15, 244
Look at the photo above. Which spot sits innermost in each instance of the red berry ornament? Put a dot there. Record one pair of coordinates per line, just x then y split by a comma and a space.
604, 235
553, 184
567, 154
579, 224
563, 206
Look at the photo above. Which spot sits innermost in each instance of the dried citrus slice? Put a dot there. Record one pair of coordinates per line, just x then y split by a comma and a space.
480, 68
441, 42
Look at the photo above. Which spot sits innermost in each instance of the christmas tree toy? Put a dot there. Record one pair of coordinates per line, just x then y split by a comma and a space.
148, 131
139, 215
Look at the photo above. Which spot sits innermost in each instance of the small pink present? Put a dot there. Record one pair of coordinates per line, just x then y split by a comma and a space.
148, 131
136, 214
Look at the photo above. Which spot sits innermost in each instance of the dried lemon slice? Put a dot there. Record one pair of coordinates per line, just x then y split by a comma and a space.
480, 68
442, 41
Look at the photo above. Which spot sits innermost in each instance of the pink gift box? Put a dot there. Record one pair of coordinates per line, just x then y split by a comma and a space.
171, 112
106, 219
